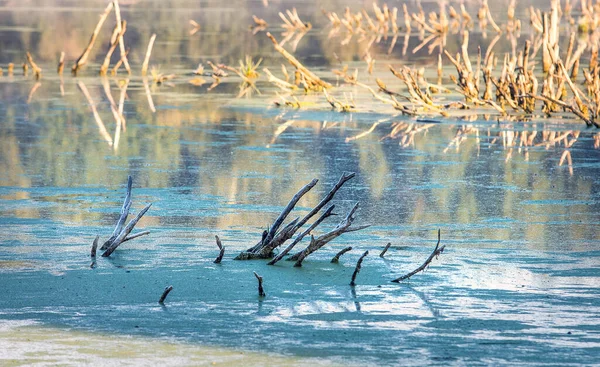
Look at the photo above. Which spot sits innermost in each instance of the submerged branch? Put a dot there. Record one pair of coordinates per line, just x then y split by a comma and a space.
436, 252
357, 269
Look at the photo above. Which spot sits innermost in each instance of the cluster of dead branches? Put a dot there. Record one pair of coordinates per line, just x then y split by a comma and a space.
122, 233
278, 233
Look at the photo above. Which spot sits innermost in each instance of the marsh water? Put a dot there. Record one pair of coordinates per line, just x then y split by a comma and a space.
517, 203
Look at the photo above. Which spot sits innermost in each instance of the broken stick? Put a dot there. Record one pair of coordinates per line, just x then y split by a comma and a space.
165, 294
438, 250
337, 256
357, 269
261, 291
221, 253
387, 247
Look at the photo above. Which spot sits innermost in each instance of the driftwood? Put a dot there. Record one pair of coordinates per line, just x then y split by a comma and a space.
222, 251
387, 247
93, 253
357, 269
118, 33
316, 243
123, 60
148, 53
261, 291
337, 256
36, 69
299, 238
121, 234
436, 252
84, 56
275, 237
165, 294
94, 247
61, 63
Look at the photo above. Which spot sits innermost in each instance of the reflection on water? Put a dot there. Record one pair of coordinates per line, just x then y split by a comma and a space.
517, 202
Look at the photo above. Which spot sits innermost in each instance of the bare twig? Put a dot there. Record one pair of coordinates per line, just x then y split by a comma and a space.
299, 238
387, 247
61, 63
165, 294
261, 291
221, 252
337, 256
123, 217
357, 269
36, 69
436, 252
84, 56
94, 247
316, 243
125, 232
148, 53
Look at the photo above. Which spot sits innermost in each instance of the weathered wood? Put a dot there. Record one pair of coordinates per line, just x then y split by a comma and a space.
84, 56
61, 63
275, 237
94, 247
316, 243
299, 238
357, 269
337, 256
36, 69
148, 53
118, 33
120, 238
165, 294
261, 291
276, 243
123, 217
437, 251
129, 238
221, 252
387, 247
122, 50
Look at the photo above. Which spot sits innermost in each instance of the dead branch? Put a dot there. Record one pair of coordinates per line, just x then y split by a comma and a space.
123, 217
36, 69
121, 238
165, 294
221, 252
316, 243
84, 56
261, 291
387, 247
436, 252
299, 238
275, 237
94, 247
119, 31
148, 53
337, 256
61, 63
122, 50
121, 234
313, 81
357, 269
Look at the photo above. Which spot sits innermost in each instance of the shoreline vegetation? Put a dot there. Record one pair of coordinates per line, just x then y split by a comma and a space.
544, 76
